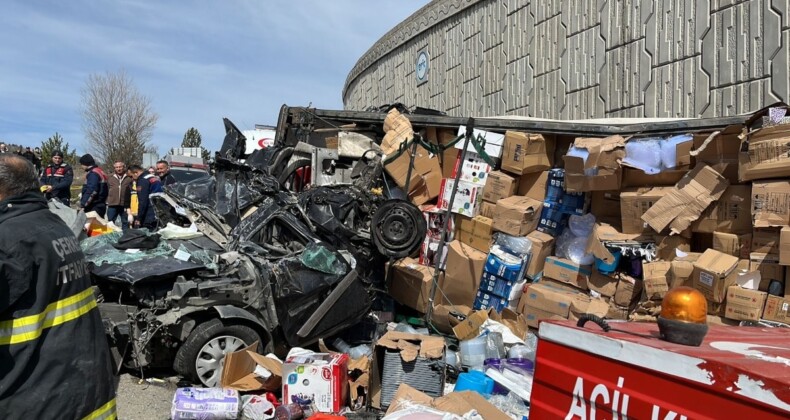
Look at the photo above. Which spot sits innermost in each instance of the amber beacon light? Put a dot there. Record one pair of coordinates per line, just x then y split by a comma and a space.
683, 318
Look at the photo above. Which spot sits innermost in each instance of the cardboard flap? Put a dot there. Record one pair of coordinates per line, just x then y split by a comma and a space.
238, 372
412, 345
603, 232
574, 164
470, 327
514, 321
716, 262
458, 403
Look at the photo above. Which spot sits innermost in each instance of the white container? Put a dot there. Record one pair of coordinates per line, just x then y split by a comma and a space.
473, 352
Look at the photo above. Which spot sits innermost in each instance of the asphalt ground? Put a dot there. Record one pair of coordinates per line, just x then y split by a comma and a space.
145, 400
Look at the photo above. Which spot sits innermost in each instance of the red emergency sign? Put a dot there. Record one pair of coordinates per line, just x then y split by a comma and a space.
585, 373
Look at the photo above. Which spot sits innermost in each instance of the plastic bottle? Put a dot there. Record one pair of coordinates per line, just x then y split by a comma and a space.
473, 352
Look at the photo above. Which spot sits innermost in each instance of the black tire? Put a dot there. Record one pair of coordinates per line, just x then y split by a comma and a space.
186, 359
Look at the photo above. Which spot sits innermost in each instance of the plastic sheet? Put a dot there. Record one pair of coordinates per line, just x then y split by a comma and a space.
99, 250
256, 407
172, 231
669, 150
205, 404
511, 405
644, 154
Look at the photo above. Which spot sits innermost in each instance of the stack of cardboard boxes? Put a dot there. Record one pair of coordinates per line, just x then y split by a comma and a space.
713, 213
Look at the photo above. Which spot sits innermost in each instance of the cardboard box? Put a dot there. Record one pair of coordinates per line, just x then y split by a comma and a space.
549, 299
542, 247
498, 186
635, 202
426, 175
686, 202
617, 312
475, 232
535, 315
319, 377
445, 316
474, 169
443, 136
654, 276
767, 154
777, 309
604, 158
462, 275
605, 205
359, 382
731, 213
733, 244
487, 209
602, 284
583, 304
458, 403
466, 199
517, 215
411, 284
638, 178
627, 292
769, 268
784, 246
533, 185
712, 274
470, 327
410, 347
494, 141
720, 152
771, 203
567, 271
666, 246
744, 304
526, 153
682, 269
766, 241
242, 371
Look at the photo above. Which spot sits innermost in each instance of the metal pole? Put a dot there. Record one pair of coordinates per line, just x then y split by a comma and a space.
447, 214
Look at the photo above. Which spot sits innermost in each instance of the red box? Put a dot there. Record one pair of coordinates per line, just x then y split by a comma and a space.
737, 373
319, 377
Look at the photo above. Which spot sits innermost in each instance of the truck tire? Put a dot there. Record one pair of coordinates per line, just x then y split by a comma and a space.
201, 357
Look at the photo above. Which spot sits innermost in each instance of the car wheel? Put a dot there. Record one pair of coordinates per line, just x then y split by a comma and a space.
201, 356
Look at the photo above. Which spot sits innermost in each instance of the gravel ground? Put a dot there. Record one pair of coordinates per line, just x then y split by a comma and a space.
145, 401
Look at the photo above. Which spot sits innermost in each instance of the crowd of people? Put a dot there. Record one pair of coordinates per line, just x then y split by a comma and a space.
124, 195
33, 155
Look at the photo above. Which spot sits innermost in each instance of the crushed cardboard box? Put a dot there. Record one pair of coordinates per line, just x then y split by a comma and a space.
602, 284
445, 317
458, 403
462, 274
517, 215
720, 151
635, 202
654, 277
542, 248
628, 291
686, 202
605, 156
242, 371
769, 268
731, 213
771, 203
526, 153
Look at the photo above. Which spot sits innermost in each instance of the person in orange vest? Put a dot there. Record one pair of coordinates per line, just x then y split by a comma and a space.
55, 361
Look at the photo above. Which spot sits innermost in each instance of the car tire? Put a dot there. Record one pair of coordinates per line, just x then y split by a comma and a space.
201, 357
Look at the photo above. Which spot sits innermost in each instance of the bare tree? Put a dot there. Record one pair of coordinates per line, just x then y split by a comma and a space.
117, 119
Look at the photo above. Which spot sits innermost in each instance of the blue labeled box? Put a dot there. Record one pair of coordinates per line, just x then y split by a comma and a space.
488, 301
505, 265
495, 285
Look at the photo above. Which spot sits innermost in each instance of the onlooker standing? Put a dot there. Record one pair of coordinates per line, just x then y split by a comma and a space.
119, 185
163, 170
33, 158
52, 340
145, 185
94, 191
3, 148
57, 179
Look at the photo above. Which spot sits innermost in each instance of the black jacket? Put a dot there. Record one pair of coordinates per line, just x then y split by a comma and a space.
54, 357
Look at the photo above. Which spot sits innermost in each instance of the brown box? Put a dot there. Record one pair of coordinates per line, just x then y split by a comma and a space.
771, 203
769, 268
655, 275
767, 155
766, 241
603, 284
411, 284
542, 247
713, 274
526, 153
731, 213
784, 246
462, 274
487, 209
627, 292
533, 185
744, 304
517, 215
686, 202
567, 271
239, 371
605, 156
777, 309
681, 270
635, 202
475, 232
543, 297
444, 136
733, 244
605, 205
720, 152
499, 185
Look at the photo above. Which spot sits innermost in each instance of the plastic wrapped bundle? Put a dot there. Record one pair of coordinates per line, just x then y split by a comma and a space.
205, 404
669, 150
644, 154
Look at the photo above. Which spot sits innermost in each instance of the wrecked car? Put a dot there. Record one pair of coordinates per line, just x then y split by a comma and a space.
260, 263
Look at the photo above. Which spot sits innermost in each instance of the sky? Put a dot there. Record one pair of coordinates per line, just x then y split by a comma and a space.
197, 61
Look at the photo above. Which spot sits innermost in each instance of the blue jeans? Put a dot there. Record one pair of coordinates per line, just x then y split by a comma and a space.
114, 212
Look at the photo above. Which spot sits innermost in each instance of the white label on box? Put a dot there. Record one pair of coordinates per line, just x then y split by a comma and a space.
706, 278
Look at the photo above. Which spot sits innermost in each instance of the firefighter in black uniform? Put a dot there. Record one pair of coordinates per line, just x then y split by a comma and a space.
54, 358
57, 178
